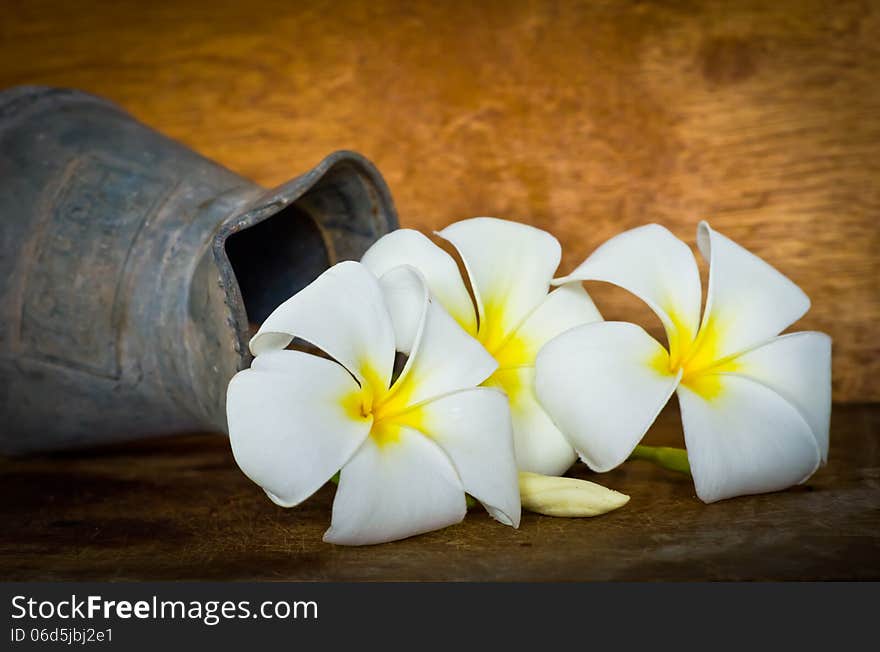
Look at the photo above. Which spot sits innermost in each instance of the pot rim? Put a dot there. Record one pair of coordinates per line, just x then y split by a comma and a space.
269, 203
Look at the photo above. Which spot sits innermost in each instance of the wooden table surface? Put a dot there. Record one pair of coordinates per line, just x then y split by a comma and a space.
180, 509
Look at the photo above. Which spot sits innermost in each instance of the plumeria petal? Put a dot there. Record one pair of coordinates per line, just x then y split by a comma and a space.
292, 424
562, 309
604, 384
510, 266
658, 268
406, 296
473, 428
744, 438
748, 301
394, 490
444, 358
540, 446
342, 312
408, 247
798, 368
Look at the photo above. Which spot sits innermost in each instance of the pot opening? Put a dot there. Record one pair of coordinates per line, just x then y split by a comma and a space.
274, 259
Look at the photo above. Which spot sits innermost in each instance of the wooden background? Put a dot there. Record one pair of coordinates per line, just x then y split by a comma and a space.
581, 118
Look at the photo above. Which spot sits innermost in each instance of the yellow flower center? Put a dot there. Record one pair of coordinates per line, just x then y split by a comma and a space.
388, 407
508, 347
513, 353
698, 357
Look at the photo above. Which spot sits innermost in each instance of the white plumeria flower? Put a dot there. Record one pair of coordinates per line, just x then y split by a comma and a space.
755, 407
408, 450
509, 266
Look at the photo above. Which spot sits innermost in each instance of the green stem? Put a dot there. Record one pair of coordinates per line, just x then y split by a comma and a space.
674, 459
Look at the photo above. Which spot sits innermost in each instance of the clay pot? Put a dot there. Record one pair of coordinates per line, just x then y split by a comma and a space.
132, 268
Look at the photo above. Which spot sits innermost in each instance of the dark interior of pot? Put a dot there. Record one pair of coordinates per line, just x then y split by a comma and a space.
274, 259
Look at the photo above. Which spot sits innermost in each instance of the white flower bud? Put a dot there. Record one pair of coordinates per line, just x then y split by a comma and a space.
555, 496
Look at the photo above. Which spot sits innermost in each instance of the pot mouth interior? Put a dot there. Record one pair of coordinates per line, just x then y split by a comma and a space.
277, 242
274, 259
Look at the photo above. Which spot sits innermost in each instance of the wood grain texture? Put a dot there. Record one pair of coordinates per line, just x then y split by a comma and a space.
581, 118
180, 509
